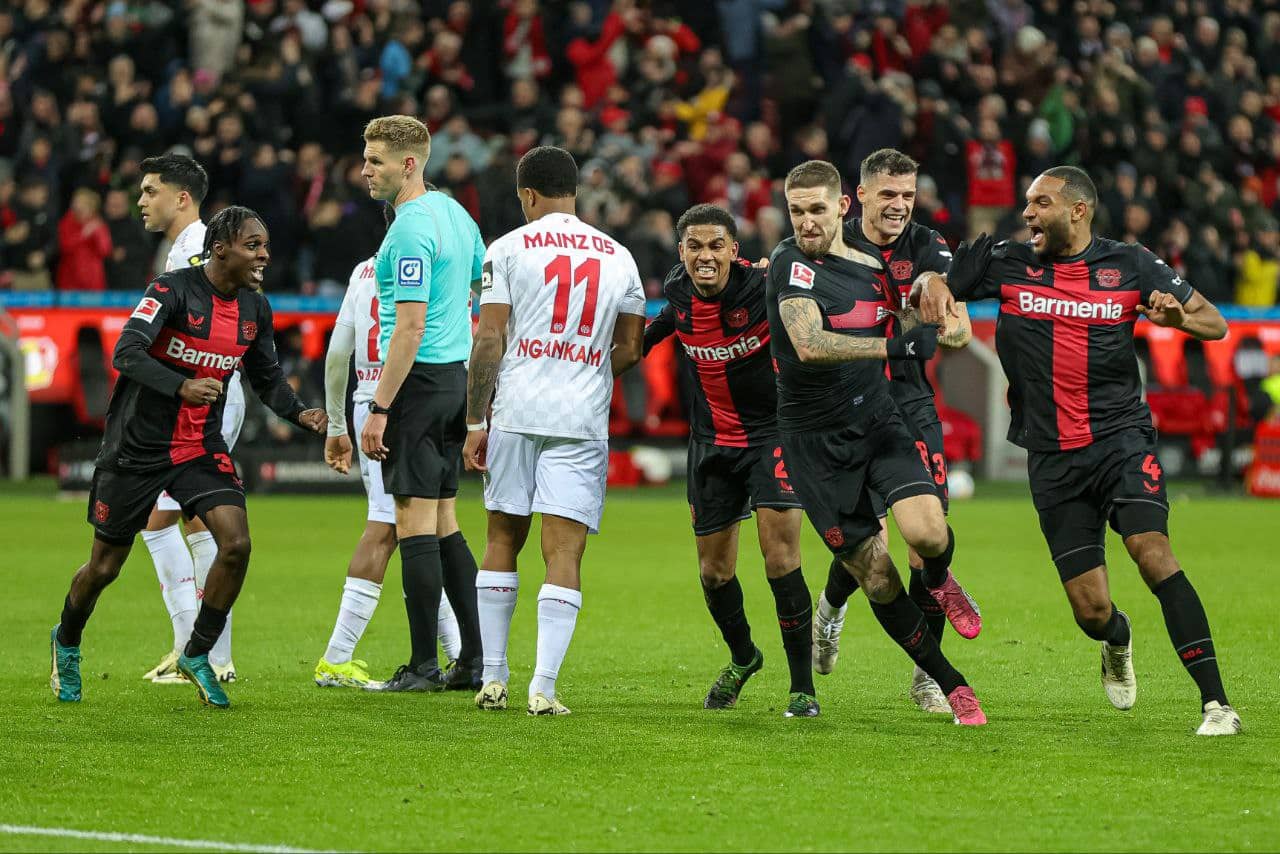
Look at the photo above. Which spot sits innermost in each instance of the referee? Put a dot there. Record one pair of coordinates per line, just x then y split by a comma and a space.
431, 255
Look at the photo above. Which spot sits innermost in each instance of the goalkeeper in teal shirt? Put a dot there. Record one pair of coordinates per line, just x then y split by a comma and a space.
425, 267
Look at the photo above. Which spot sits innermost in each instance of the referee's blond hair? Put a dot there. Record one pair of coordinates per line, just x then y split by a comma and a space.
401, 133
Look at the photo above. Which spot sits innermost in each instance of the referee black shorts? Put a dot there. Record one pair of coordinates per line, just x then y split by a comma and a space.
426, 428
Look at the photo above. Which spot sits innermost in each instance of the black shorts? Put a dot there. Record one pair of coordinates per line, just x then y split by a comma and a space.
120, 502
1116, 480
426, 429
726, 484
921, 418
835, 473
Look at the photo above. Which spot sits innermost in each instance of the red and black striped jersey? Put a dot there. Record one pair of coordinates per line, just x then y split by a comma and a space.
726, 341
1065, 338
183, 329
854, 299
917, 250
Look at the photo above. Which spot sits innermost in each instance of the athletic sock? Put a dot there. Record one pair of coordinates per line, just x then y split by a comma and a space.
72, 624
840, 585
176, 572
904, 622
447, 629
934, 617
1115, 631
459, 567
795, 619
936, 568
209, 624
422, 577
725, 604
359, 600
203, 550
1188, 627
558, 609
496, 594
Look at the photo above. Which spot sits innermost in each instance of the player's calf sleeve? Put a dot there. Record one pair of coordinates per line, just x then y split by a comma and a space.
72, 624
423, 578
359, 601
460, 583
1188, 627
176, 571
934, 617
447, 629
558, 609
725, 604
840, 585
905, 623
935, 568
795, 619
496, 594
209, 624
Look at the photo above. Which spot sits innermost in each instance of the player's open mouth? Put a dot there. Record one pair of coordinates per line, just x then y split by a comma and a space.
255, 274
1037, 236
705, 271
895, 219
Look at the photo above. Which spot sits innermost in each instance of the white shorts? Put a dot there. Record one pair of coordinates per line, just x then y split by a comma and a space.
382, 507
540, 474
232, 421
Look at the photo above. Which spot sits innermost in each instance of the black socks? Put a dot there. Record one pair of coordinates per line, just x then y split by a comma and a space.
72, 624
903, 622
840, 585
1188, 627
459, 570
795, 619
422, 576
935, 568
934, 617
210, 622
725, 604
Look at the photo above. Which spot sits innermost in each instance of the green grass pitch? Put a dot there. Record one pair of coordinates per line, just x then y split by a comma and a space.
639, 765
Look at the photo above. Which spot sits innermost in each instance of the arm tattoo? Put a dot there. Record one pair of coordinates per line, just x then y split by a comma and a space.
482, 376
803, 322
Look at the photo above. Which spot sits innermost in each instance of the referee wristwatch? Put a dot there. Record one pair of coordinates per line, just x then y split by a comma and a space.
375, 409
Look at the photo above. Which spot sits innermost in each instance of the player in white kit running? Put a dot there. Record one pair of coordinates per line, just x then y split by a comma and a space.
356, 333
561, 314
173, 186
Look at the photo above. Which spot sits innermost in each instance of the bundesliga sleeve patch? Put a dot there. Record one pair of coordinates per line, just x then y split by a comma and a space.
486, 276
801, 275
409, 273
146, 309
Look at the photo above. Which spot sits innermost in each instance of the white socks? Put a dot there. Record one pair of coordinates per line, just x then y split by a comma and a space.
359, 600
496, 602
557, 615
447, 629
177, 580
203, 551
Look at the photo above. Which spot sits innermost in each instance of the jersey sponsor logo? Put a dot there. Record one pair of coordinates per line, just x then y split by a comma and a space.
194, 319
146, 309
565, 351
801, 275
409, 273
248, 329
1029, 303
901, 269
366, 272
197, 358
1035, 272
743, 345
738, 318
561, 240
368, 374
1108, 277
101, 511
486, 276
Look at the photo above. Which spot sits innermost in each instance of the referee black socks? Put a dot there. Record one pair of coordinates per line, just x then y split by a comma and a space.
903, 622
795, 619
1188, 627
459, 574
725, 604
422, 576
210, 622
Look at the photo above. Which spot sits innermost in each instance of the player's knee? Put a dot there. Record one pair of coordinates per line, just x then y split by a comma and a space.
881, 586
780, 559
1091, 614
234, 549
103, 572
929, 539
715, 571
1154, 557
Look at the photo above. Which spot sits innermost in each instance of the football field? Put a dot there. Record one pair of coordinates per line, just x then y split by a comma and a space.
639, 765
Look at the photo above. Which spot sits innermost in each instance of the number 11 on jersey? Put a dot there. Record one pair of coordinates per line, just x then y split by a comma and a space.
562, 271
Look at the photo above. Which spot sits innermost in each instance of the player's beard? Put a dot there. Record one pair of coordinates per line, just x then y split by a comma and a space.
1057, 237
816, 247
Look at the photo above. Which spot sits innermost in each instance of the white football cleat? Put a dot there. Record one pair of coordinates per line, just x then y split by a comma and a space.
492, 697
166, 672
539, 705
225, 672
827, 625
1118, 679
1219, 720
927, 694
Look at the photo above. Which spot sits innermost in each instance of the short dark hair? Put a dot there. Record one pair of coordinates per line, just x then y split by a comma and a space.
887, 161
707, 215
814, 173
226, 224
1077, 185
181, 171
549, 171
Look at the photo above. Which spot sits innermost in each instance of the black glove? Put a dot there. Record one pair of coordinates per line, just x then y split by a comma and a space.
917, 345
969, 265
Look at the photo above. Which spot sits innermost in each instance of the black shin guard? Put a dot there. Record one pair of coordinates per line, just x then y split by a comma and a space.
1188, 627
904, 622
725, 604
795, 619
422, 576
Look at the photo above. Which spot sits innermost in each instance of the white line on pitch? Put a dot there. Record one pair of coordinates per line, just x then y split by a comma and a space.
142, 839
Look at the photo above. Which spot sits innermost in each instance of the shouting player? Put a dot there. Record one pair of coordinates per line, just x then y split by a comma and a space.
887, 193
356, 333
842, 436
425, 266
716, 308
191, 331
173, 186
1068, 305
561, 314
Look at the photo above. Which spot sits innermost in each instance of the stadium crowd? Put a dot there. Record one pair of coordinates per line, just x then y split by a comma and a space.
1173, 106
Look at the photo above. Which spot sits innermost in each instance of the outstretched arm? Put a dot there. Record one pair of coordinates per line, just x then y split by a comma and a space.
1197, 317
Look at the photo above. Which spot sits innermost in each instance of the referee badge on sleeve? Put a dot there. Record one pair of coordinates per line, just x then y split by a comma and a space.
409, 273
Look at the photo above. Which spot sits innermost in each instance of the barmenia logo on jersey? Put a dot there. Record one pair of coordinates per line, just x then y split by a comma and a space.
179, 351
742, 346
536, 348
1029, 303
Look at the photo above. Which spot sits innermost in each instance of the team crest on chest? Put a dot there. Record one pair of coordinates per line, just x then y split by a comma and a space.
737, 318
901, 269
1108, 278
248, 330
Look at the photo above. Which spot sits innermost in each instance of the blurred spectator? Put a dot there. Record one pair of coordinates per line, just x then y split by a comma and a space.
84, 244
1259, 268
133, 251
991, 166
31, 239
215, 27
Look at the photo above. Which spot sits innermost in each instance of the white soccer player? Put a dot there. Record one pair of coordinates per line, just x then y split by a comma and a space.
173, 186
356, 333
567, 300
